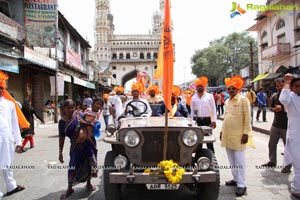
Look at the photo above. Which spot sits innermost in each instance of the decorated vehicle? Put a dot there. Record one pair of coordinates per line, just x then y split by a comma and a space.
138, 151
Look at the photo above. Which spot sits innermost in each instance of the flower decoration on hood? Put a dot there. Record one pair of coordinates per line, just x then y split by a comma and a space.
202, 80
235, 81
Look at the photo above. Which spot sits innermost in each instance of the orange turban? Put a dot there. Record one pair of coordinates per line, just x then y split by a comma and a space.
176, 90
137, 86
105, 96
119, 89
24, 124
202, 80
153, 87
235, 81
3, 79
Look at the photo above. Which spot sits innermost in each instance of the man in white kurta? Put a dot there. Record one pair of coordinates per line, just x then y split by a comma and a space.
9, 137
290, 98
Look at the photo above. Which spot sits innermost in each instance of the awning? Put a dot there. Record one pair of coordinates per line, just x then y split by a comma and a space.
260, 77
83, 83
273, 76
67, 78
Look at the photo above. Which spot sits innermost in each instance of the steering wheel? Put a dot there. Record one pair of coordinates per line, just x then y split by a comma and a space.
135, 111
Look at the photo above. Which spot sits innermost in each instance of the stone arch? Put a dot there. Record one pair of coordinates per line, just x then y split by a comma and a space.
130, 75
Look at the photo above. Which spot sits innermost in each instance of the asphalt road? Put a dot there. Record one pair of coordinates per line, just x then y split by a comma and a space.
48, 183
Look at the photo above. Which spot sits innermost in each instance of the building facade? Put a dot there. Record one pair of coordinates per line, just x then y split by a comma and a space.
123, 56
278, 37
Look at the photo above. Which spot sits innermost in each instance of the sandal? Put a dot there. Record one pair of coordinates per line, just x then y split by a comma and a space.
66, 194
285, 170
17, 189
90, 187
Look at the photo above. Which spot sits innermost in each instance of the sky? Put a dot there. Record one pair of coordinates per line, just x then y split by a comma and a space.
195, 23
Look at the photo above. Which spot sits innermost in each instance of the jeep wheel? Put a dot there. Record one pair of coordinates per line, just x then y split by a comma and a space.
111, 191
210, 190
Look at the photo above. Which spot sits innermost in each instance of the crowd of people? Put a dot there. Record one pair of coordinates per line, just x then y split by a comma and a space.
80, 122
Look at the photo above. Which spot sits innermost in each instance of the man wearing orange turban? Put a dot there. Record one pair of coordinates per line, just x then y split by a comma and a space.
137, 107
9, 135
116, 102
203, 107
178, 109
153, 97
235, 130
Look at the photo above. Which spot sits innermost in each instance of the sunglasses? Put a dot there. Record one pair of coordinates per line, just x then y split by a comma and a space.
231, 88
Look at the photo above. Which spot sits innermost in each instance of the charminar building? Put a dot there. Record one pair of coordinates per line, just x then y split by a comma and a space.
123, 56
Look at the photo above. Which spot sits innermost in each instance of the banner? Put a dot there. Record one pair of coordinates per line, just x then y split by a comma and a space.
41, 22
168, 58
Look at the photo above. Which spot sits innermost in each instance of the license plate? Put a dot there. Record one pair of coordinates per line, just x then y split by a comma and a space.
162, 186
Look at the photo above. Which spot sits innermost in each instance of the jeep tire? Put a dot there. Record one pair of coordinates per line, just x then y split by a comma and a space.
111, 191
210, 190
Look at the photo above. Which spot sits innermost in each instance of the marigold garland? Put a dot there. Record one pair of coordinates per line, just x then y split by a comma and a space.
171, 170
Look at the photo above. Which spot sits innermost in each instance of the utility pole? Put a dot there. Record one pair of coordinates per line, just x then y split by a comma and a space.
251, 63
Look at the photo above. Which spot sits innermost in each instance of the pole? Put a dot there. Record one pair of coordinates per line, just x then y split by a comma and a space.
251, 63
56, 73
165, 147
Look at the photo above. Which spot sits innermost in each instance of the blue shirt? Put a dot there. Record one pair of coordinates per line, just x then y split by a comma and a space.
261, 99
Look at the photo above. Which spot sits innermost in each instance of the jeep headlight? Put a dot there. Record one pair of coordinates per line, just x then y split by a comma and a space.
190, 138
203, 163
120, 162
132, 138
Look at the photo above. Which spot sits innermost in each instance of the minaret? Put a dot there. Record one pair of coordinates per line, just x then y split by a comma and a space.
158, 18
103, 30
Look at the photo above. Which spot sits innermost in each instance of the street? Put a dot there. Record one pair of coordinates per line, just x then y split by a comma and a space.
45, 179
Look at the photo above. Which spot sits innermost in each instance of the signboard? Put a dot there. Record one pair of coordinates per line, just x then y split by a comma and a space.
39, 59
11, 28
40, 22
9, 64
73, 60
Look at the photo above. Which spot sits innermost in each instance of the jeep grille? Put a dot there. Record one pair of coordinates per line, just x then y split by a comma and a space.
153, 146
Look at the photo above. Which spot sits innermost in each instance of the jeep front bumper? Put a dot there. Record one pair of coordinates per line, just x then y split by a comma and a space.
145, 178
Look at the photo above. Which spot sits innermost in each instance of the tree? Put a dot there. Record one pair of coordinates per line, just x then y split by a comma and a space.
224, 57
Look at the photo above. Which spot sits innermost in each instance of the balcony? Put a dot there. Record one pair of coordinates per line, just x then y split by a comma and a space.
276, 52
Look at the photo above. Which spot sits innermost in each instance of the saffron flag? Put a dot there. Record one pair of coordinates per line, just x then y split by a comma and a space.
168, 57
160, 60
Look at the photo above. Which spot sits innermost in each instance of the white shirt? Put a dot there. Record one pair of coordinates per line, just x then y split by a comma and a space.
117, 103
205, 105
9, 131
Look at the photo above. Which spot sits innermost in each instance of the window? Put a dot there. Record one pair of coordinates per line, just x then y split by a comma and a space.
121, 56
148, 56
114, 67
114, 56
280, 24
264, 39
128, 56
5, 8
142, 56
155, 55
281, 38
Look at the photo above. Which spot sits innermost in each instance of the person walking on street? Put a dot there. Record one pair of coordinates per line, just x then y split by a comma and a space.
29, 114
106, 109
279, 127
237, 115
262, 104
203, 107
117, 105
9, 135
290, 98
251, 96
